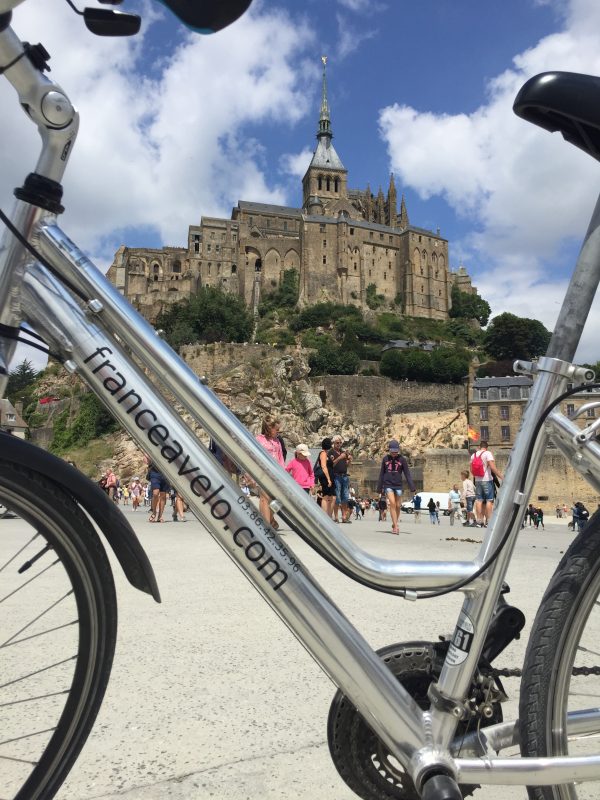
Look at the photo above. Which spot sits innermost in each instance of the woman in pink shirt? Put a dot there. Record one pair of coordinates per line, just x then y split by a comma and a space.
268, 438
301, 469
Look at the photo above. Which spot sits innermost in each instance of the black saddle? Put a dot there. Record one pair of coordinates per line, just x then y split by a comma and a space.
565, 102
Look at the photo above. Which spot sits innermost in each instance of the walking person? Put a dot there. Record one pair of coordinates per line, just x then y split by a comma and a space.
324, 474
159, 488
468, 498
135, 490
483, 469
382, 508
112, 484
340, 459
268, 438
417, 507
301, 469
433, 512
454, 504
393, 467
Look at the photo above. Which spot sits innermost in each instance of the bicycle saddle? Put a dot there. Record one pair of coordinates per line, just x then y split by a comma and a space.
565, 102
207, 16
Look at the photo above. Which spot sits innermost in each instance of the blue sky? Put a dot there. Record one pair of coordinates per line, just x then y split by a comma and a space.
176, 126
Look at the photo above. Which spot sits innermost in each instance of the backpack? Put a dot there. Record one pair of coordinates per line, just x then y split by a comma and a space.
318, 469
477, 466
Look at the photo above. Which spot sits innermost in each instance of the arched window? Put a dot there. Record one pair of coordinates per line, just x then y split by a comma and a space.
233, 269
336, 184
177, 266
328, 184
320, 182
258, 265
155, 269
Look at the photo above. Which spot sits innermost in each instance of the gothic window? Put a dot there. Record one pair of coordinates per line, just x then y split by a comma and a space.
258, 265
320, 182
177, 266
355, 267
336, 184
328, 184
155, 269
285, 225
233, 269
196, 247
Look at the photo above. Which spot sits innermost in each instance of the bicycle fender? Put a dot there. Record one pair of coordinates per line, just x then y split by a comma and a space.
115, 527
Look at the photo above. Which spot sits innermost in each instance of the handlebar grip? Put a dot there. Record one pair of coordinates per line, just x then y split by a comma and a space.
207, 16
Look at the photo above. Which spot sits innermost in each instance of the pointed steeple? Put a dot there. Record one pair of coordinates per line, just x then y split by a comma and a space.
368, 204
403, 215
380, 213
392, 210
324, 119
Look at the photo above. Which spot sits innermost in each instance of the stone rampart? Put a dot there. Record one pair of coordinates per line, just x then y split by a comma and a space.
557, 481
370, 399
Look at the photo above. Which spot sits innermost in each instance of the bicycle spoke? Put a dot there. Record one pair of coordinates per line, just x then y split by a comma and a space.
35, 619
27, 736
18, 553
38, 671
23, 585
31, 699
42, 633
582, 649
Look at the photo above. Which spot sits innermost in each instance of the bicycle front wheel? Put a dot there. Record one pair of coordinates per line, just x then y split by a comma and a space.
57, 633
559, 712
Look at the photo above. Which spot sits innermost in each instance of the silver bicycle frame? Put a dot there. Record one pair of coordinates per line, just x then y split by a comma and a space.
112, 348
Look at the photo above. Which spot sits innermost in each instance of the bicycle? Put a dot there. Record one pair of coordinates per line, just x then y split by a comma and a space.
415, 719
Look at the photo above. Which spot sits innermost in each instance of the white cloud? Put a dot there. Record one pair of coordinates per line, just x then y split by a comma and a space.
350, 37
525, 192
160, 149
296, 164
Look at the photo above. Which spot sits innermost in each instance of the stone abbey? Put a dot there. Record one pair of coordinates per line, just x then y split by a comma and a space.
343, 243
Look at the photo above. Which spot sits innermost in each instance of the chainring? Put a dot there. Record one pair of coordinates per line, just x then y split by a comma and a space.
363, 761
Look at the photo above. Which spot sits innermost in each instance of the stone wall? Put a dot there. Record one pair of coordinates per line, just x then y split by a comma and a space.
214, 359
557, 481
370, 399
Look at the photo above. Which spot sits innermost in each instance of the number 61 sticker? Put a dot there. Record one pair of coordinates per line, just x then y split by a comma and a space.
461, 641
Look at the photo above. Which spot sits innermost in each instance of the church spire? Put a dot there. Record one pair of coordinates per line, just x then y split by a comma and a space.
324, 119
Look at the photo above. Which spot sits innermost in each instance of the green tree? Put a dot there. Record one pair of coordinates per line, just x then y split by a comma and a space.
509, 336
19, 380
372, 299
285, 296
92, 420
469, 306
208, 316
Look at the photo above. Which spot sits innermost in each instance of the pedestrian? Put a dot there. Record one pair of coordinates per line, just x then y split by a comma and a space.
159, 488
540, 516
136, 490
324, 474
340, 459
417, 507
393, 467
268, 439
580, 515
125, 495
454, 504
112, 485
483, 469
301, 469
433, 512
382, 508
468, 498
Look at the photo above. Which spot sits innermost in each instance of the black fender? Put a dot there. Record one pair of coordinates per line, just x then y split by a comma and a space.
107, 516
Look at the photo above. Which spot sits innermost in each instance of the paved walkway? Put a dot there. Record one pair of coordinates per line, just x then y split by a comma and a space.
212, 697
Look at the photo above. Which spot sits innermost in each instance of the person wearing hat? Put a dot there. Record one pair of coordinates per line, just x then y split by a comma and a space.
393, 466
301, 469
135, 490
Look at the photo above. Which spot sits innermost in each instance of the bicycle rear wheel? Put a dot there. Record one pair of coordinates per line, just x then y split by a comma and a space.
58, 624
563, 647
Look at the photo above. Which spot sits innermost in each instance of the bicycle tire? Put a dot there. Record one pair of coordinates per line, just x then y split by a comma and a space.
49, 708
567, 619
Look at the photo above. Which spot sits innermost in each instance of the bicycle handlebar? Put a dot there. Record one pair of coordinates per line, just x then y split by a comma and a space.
204, 16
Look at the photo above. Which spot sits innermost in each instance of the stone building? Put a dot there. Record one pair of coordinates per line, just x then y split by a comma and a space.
345, 244
496, 406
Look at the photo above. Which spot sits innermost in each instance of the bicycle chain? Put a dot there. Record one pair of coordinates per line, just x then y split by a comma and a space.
517, 673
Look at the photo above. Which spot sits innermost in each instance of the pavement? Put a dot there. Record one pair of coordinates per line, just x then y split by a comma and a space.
212, 697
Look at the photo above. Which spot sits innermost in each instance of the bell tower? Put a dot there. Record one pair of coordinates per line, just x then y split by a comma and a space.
326, 178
